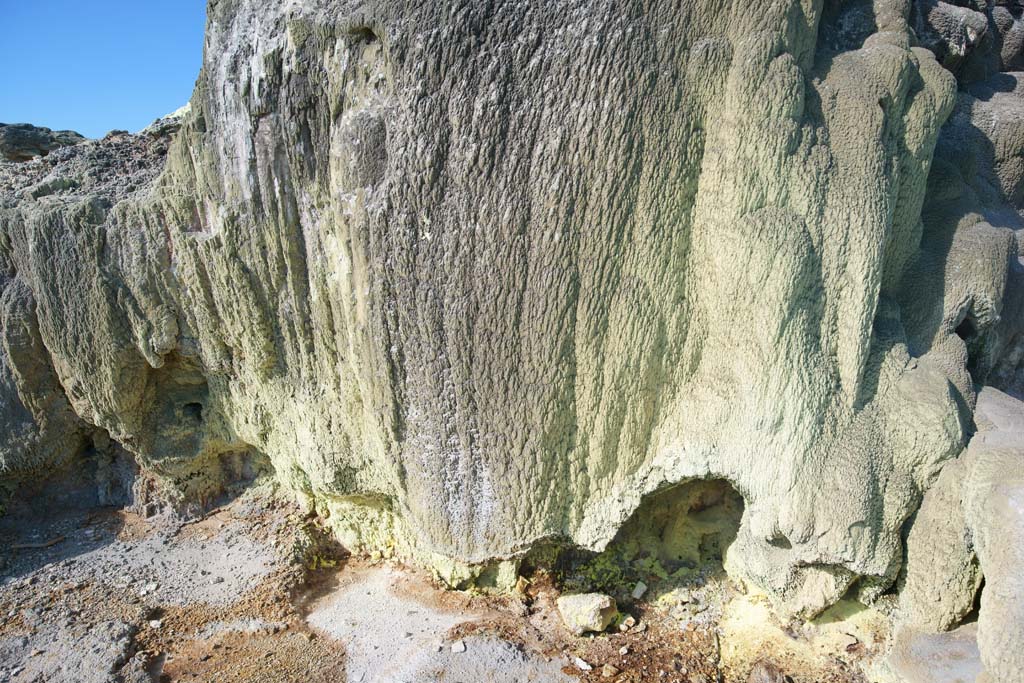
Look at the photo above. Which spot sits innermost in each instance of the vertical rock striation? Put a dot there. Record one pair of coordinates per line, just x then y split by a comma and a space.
468, 276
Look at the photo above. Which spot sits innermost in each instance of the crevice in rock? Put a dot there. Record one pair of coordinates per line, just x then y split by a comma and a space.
116, 470
969, 330
193, 411
846, 24
966, 330
364, 34
972, 616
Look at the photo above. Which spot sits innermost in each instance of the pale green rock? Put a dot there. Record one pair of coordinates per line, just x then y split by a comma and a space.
466, 278
587, 612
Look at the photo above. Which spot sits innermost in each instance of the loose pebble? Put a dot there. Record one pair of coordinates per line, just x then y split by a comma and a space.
581, 664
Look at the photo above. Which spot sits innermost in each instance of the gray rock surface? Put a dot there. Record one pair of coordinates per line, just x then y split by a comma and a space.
942, 571
971, 523
466, 277
994, 507
81, 584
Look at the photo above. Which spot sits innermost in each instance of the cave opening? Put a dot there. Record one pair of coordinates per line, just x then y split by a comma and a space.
193, 411
677, 536
687, 526
966, 330
970, 332
364, 34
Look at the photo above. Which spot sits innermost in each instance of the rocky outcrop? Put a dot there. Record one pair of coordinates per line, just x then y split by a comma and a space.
971, 520
21, 141
993, 504
470, 277
68, 194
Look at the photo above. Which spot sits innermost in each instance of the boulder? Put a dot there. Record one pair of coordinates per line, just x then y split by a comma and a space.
587, 612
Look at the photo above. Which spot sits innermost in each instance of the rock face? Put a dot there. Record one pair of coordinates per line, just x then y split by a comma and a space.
468, 277
971, 521
21, 141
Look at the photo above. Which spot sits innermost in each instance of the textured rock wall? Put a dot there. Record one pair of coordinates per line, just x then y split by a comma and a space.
468, 276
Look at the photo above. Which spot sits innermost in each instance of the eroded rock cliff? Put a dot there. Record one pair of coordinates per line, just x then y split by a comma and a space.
471, 276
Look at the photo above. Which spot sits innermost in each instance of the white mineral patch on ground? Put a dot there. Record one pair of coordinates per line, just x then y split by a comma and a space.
390, 637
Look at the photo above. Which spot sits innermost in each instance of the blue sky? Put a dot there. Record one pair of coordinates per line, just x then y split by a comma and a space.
98, 65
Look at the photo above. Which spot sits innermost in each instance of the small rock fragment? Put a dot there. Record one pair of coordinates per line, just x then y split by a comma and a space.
623, 650
627, 623
680, 612
155, 623
459, 646
581, 664
609, 671
638, 590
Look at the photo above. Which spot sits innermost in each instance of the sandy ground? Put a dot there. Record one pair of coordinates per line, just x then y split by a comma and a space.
100, 594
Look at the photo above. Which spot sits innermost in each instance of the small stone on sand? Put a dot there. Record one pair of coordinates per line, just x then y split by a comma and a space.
581, 664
